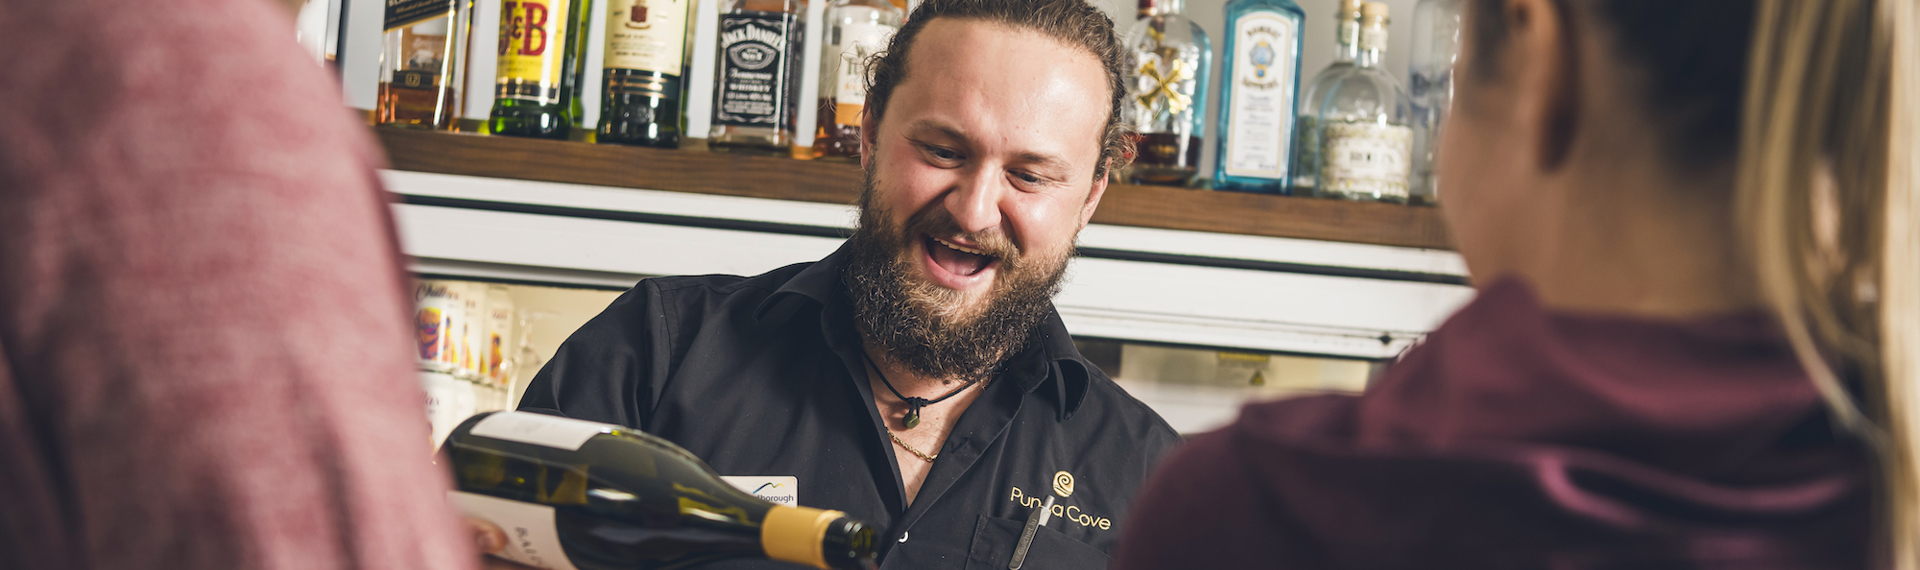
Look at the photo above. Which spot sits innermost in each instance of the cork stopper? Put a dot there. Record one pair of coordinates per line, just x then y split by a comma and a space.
1349, 10
1373, 14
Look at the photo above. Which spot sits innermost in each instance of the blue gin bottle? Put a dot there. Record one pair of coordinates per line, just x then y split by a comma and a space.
1262, 70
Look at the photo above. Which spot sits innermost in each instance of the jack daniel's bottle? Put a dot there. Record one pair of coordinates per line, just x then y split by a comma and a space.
582, 495
755, 95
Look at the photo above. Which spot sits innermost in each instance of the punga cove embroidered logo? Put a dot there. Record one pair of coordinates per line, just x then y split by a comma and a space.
1062, 486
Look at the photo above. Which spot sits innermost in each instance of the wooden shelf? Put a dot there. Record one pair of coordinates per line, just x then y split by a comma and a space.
839, 183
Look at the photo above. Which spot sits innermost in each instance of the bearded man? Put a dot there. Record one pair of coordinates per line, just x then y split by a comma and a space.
918, 378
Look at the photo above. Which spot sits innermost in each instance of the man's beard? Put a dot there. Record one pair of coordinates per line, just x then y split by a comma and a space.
924, 326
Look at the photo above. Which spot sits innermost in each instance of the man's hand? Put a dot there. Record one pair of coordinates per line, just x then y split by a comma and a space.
490, 540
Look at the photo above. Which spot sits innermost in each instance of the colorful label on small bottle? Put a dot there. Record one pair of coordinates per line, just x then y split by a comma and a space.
533, 35
1260, 121
540, 429
646, 35
858, 41
1365, 159
532, 538
756, 75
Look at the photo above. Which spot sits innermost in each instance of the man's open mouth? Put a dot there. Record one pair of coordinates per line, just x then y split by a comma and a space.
957, 259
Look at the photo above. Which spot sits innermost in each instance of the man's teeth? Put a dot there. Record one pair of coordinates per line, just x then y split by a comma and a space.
961, 249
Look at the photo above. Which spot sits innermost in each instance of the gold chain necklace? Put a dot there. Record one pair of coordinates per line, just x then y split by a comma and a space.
910, 449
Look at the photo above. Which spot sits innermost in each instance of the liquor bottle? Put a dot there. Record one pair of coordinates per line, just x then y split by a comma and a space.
577, 494
757, 86
856, 30
1168, 92
1257, 104
1436, 44
542, 56
645, 59
1365, 133
423, 63
1306, 146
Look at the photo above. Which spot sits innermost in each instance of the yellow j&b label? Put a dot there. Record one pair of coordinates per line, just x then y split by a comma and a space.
532, 39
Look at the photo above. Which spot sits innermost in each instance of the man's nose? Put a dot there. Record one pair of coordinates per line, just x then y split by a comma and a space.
975, 200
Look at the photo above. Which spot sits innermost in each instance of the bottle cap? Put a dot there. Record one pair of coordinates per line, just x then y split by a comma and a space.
1372, 13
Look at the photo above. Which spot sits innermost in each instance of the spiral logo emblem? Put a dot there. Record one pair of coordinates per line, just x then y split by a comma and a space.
1063, 484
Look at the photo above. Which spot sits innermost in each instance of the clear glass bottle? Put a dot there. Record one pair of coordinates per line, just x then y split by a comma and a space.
1262, 68
423, 63
1436, 44
1306, 147
757, 87
543, 45
856, 30
1167, 93
642, 95
1366, 135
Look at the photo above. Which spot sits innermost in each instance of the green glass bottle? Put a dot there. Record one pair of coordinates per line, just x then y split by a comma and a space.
590, 496
542, 56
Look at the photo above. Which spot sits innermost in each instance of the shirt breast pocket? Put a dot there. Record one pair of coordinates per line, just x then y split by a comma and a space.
995, 538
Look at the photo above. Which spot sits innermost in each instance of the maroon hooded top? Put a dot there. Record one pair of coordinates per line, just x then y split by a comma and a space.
1516, 438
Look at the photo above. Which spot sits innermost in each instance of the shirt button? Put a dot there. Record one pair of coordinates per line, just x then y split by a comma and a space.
903, 536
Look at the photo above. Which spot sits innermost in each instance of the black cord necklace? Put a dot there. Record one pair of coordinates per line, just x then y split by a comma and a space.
913, 404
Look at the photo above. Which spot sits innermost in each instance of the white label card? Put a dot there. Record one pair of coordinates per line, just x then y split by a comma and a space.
779, 490
531, 537
540, 429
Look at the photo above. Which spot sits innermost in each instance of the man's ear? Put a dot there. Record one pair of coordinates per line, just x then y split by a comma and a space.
1094, 194
869, 135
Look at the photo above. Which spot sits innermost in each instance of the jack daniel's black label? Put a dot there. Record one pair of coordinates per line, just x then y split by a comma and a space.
758, 60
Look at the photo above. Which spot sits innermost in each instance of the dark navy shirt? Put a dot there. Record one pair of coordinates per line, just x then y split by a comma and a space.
763, 376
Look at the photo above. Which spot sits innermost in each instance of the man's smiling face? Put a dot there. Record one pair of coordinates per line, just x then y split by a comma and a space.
979, 176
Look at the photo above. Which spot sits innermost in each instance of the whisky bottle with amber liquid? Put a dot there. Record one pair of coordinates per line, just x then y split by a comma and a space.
856, 30
423, 63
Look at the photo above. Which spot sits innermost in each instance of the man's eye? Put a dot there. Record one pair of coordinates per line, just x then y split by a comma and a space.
942, 154
1027, 178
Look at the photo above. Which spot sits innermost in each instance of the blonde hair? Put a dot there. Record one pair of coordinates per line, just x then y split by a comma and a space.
1825, 195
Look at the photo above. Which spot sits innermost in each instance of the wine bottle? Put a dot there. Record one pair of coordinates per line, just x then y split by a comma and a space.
645, 55
573, 494
542, 53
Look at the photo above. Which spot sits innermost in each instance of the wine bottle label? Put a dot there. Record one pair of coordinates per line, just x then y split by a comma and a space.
1260, 118
533, 33
1365, 158
756, 71
646, 35
856, 42
532, 538
779, 490
540, 429
408, 12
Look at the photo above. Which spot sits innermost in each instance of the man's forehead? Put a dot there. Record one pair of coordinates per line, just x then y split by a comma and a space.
988, 81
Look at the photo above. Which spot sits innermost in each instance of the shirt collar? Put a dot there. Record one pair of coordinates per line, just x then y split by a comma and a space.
1050, 354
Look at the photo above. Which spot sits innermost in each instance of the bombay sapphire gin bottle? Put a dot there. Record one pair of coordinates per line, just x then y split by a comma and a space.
1167, 93
1306, 147
1262, 69
1366, 135
1436, 44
